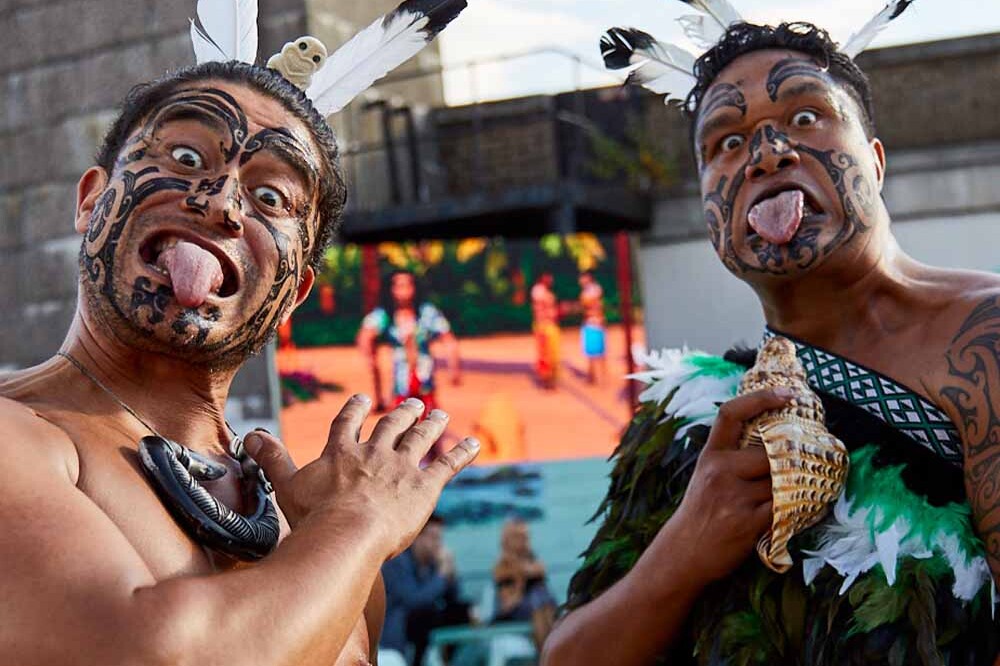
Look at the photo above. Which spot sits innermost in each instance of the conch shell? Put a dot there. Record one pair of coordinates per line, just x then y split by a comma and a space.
808, 464
299, 60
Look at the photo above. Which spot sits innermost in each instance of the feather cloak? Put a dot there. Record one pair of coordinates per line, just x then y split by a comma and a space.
924, 617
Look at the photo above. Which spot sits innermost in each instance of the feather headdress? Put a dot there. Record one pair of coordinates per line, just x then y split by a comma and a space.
228, 31
668, 69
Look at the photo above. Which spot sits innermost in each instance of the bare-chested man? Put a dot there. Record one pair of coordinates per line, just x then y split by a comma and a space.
545, 326
212, 200
593, 336
791, 171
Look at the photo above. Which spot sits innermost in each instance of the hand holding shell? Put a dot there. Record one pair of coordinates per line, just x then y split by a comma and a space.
808, 465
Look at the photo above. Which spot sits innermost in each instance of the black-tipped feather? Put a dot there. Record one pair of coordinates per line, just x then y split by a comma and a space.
618, 45
378, 49
439, 12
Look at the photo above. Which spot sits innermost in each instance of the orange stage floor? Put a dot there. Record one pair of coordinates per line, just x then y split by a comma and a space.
498, 399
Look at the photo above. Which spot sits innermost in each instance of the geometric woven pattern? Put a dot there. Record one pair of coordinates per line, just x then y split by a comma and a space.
890, 401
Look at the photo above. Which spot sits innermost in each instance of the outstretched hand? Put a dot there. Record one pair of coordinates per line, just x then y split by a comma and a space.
727, 506
378, 482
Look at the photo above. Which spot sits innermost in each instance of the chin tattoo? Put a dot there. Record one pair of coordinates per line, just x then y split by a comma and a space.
147, 306
974, 393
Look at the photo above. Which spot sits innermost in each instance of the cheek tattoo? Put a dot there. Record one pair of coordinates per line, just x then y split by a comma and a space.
805, 249
854, 192
146, 306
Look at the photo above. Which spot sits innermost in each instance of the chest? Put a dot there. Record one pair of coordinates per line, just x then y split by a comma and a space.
113, 479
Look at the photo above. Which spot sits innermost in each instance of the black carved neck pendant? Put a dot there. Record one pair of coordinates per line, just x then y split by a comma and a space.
176, 471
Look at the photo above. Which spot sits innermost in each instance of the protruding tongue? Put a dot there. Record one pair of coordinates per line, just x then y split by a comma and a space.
194, 272
778, 218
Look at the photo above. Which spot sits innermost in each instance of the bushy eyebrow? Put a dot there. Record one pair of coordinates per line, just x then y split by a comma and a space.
283, 145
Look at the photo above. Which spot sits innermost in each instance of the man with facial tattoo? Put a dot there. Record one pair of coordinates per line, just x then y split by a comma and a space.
906, 358
137, 528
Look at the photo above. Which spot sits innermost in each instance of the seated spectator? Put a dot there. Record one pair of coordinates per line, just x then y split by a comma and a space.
521, 591
421, 593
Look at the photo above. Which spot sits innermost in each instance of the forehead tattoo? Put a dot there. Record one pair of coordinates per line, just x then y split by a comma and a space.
788, 68
220, 111
723, 95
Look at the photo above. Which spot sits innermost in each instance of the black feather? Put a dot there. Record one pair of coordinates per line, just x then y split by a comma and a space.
900, 8
618, 45
439, 12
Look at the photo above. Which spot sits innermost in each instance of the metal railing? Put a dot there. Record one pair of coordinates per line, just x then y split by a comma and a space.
422, 155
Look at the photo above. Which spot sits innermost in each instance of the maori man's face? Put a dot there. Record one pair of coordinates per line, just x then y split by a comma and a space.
788, 178
196, 245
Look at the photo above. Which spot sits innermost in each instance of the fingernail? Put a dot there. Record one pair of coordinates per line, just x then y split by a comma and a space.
259, 429
472, 443
438, 415
414, 403
361, 397
784, 392
252, 443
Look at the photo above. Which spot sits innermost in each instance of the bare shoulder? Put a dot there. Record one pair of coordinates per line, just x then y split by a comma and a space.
963, 287
30, 439
969, 380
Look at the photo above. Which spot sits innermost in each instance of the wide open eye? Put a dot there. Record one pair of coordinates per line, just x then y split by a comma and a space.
189, 157
269, 196
732, 142
804, 118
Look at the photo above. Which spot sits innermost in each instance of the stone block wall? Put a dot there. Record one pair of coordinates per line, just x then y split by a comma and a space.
489, 148
67, 65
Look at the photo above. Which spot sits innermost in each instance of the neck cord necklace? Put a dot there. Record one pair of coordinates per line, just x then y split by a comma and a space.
175, 471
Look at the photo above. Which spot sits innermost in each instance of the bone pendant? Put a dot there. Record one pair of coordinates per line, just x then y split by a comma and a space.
808, 464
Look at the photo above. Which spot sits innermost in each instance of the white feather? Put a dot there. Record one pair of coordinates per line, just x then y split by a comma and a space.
369, 56
665, 69
229, 31
701, 30
695, 398
205, 50
860, 40
848, 543
720, 10
705, 33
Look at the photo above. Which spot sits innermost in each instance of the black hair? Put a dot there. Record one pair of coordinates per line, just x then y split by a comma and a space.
389, 303
143, 98
743, 38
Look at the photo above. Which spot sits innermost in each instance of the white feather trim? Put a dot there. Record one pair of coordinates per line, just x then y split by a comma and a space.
848, 544
695, 398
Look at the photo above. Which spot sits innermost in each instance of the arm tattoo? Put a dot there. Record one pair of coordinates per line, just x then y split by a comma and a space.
974, 392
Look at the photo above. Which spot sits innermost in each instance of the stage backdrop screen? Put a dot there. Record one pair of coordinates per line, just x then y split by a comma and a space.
524, 342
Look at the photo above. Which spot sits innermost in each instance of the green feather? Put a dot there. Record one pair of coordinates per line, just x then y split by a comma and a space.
713, 366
